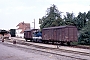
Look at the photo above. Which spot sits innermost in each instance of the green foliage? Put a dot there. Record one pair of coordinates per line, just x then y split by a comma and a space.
52, 18
84, 37
69, 18
88, 15
82, 22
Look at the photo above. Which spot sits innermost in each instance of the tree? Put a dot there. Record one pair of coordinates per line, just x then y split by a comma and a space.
88, 15
80, 20
52, 18
58, 22
85, 34
69, 18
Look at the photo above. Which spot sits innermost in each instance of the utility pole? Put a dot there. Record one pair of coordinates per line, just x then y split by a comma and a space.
34, 23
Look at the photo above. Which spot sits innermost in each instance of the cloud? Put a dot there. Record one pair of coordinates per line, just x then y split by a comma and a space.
75, 8
64, 1
21, 10
0, 10
17, 9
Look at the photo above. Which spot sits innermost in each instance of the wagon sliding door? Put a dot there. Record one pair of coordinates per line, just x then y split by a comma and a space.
71, 34
54, 34
66, 34
63, 34
59, 34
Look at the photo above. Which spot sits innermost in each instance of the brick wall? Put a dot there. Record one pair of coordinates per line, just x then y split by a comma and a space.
23, 26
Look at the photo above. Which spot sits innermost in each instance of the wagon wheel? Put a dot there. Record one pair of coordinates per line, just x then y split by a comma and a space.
62, 43
26, 40
68, 43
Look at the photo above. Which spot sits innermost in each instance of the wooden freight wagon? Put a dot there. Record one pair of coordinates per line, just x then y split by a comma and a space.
5, 34
62, 34
13, 32
29, 34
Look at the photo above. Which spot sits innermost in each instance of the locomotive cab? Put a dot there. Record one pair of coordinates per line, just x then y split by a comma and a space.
37, 36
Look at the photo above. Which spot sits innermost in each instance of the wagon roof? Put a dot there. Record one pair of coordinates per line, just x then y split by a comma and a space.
31, 29
58, 27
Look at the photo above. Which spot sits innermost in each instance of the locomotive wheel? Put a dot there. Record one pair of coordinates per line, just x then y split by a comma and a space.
52, 42
46, 42
62, 43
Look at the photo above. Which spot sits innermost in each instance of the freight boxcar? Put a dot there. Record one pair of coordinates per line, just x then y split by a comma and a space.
32, 35
5, 34
13, 32
62, 34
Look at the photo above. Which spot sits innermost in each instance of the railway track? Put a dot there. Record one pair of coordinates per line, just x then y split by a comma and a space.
52, 50
23, 42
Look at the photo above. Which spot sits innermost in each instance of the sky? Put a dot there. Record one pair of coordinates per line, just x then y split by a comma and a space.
13, 12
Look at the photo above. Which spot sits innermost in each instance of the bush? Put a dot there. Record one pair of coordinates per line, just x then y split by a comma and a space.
84, 38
